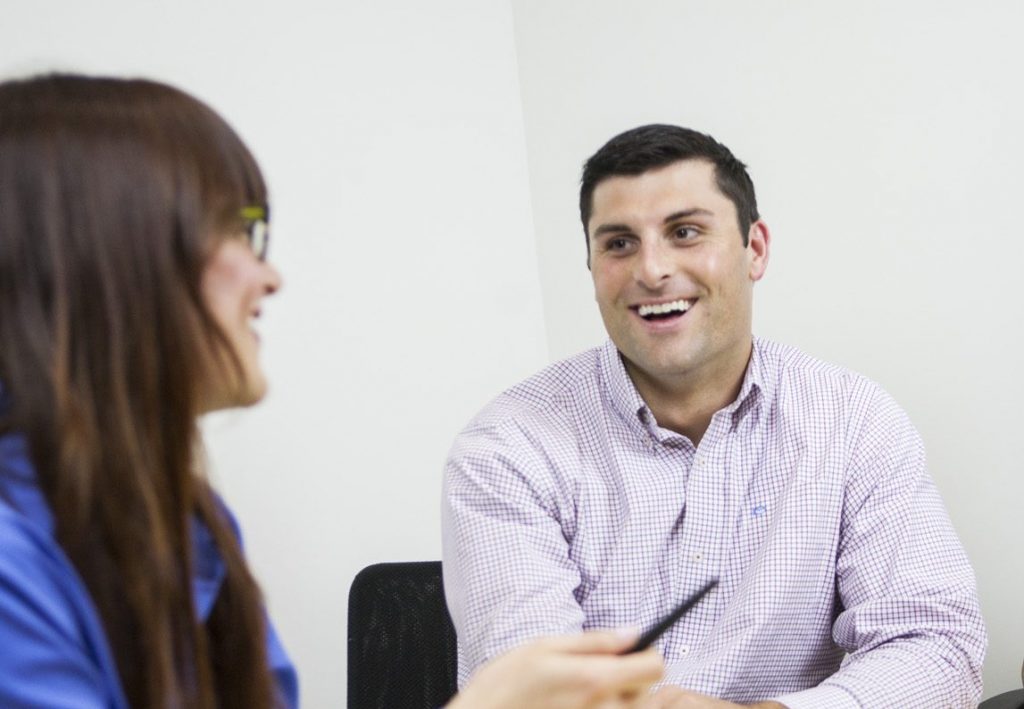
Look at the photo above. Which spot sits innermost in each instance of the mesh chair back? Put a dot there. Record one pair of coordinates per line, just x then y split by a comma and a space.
401, 643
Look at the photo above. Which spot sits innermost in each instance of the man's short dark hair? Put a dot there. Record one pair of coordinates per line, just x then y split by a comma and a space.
655, 146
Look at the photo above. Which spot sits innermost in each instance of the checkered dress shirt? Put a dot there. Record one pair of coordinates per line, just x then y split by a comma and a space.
842, 581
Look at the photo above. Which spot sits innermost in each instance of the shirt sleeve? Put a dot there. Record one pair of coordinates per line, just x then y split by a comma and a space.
508, 574
910, 620
46, 660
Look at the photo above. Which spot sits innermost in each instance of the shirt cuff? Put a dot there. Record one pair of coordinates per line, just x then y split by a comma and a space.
824, 696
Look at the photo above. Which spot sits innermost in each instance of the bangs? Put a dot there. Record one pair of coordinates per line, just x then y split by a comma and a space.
232, 179
219, 166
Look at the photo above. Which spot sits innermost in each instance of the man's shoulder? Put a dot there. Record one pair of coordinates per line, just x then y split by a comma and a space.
568, 379
806, 389
552, 395
789, 370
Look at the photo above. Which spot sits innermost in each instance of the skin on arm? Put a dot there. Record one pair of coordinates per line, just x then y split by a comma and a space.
570, 672
677, 698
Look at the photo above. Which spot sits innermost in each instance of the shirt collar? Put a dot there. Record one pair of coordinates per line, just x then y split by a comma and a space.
752, 390
626, 400
624, 397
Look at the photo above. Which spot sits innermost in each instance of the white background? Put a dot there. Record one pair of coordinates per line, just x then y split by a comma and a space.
424, 160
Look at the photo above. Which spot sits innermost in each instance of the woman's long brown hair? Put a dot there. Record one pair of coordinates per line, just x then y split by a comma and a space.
112, 194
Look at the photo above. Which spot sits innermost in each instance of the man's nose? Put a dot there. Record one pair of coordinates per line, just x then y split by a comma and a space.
653, 265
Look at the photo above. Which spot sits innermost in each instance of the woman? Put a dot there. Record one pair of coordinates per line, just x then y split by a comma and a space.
132, 262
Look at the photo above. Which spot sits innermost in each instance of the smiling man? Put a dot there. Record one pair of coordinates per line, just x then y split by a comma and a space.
606, 489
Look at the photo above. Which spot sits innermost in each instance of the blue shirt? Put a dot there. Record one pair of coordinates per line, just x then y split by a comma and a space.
53, 649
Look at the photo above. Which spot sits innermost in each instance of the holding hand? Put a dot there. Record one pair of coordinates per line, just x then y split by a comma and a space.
573, 672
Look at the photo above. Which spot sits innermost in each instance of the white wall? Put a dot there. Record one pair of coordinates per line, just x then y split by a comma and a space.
886, 145
884, 142
392, 139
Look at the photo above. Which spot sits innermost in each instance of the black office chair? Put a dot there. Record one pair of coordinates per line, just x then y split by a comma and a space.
401, 642
1006, 700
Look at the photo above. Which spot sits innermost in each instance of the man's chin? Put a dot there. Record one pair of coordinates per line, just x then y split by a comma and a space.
658, 367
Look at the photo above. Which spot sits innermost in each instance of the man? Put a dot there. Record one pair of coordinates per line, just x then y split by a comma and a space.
609, 487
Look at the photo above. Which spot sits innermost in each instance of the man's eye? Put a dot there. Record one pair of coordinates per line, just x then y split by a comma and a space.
617, 244
684, 233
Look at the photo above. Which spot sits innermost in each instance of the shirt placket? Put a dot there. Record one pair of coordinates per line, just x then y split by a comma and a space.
700, 542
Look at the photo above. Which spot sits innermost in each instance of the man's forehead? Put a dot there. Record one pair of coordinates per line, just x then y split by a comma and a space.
680, 184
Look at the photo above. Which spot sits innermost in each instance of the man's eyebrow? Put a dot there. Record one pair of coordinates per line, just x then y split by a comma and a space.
675, 216
610, 229
687, 213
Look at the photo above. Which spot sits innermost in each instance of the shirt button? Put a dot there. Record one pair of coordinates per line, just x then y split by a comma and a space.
698, 557
684, 649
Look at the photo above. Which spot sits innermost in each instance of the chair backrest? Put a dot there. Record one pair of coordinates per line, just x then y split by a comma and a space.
1007, 700
401, 642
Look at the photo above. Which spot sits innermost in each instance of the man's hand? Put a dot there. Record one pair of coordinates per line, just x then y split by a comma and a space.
677, 698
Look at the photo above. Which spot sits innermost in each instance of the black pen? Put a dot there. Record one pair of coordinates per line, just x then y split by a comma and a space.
648, 638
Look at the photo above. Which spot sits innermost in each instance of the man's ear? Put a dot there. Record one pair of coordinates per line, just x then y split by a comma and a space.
758, 245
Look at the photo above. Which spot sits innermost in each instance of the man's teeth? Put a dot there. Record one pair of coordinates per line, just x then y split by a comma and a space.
661, 308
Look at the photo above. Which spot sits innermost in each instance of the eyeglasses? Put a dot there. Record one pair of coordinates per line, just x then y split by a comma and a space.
257, 228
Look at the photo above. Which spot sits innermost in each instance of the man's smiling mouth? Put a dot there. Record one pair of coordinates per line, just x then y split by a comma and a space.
664, 311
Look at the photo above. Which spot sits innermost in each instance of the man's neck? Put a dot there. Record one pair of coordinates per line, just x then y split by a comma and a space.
686, 403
